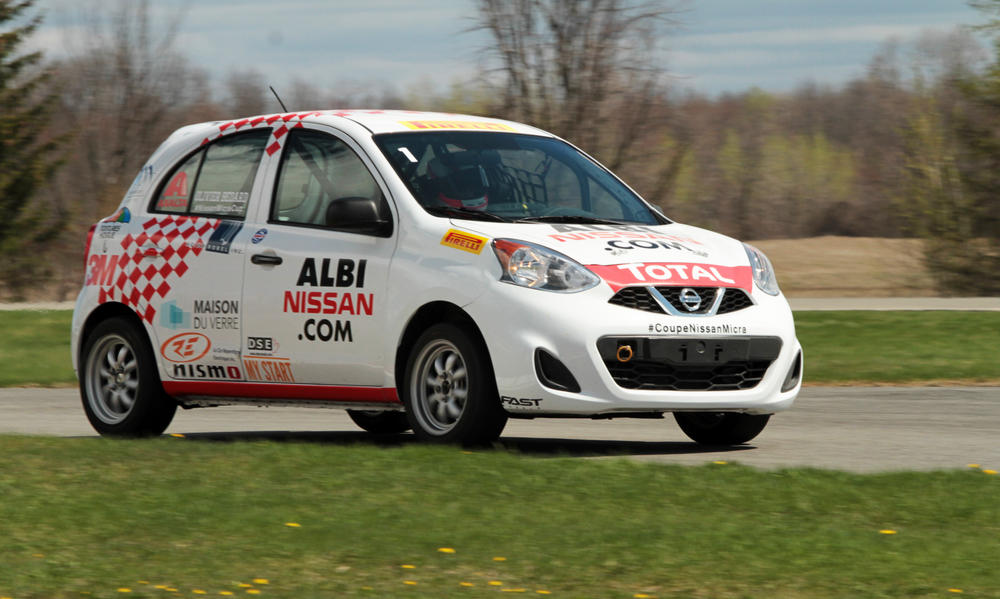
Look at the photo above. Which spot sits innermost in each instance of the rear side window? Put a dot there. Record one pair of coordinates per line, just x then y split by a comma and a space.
216, 180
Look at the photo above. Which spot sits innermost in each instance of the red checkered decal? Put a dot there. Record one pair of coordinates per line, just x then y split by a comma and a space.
155, 259
274, 142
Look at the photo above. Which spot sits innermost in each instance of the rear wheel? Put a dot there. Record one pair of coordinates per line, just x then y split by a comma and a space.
721, 428
119, 385
379, 422
450, 391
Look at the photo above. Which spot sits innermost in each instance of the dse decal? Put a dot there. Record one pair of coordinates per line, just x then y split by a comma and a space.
185, 347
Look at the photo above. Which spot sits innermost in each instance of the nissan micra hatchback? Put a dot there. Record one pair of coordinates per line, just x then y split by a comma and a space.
434, 272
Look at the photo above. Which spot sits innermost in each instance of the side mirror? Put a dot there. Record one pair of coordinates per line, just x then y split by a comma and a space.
358, 215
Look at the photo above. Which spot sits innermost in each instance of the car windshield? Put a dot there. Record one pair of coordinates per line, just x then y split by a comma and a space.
510, 177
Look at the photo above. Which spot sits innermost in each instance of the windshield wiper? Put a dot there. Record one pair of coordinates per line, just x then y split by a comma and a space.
464, 213
586, 220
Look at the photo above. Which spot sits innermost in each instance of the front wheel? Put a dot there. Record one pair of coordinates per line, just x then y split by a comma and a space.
721, 428
119, 385
449, 389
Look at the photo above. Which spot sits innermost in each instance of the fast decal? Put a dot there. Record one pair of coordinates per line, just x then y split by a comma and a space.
476, 125
461, 240
216, 314
185, 347
340, 273
566, 233
151, 262
622, 275
268, 370
520, 402
223, 236
206, 371
698, 329
258, 236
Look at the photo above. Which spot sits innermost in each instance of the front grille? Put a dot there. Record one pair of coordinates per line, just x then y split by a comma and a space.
645, 374
710, 364
734, 300
639, 298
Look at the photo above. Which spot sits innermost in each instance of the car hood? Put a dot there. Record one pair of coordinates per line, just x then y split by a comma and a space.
672, 254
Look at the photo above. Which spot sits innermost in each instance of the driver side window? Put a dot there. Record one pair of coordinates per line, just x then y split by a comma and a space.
317, 170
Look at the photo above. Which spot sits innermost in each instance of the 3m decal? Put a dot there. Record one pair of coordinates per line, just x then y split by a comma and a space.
185, 347
268, 370
464, 241
622, 275
475, 125
151, 263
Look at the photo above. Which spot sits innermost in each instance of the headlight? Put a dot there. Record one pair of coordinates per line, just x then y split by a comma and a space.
538, 267
763, 272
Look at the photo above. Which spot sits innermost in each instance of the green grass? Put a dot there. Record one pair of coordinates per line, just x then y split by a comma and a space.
85, 517
34, 348
900, 347
841, 347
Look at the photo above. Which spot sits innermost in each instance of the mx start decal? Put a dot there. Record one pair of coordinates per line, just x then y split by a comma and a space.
151, 262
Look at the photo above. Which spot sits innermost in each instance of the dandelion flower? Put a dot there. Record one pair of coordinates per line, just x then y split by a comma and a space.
887, 531
495, 583
409, 566
177, 435
254, 591
261, 581
466, 584
720, 462
973, 465
514, 590
293, 524
989, 471
244, 585
543, 592
124, 590
410, 582
642, 596
954, 590
162, 587
143, 581
499, 559
198, 591
225, 593
446, 550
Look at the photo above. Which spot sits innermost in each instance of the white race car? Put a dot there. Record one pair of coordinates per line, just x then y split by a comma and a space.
434, 272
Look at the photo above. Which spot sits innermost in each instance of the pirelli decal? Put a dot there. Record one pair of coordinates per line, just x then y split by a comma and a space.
461, 240
474, 125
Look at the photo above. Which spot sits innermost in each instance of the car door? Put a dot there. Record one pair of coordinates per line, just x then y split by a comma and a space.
193, 242
314, 294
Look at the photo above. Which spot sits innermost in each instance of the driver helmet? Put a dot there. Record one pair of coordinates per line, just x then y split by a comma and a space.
460, 181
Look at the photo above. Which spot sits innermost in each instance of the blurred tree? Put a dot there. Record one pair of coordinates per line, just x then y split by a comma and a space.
28, 152
587, 70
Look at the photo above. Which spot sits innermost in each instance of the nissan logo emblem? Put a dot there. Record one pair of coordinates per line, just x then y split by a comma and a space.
690, 298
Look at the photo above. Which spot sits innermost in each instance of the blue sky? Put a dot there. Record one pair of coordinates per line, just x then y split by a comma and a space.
719, 46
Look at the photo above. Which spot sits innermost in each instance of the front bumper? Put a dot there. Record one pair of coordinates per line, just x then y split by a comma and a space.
746, 357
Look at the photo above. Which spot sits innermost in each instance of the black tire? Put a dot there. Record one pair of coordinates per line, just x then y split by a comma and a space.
449, 389
721, 428
119, 384
380, 422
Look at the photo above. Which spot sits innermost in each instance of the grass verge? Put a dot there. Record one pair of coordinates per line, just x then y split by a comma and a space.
180, 517
845, 347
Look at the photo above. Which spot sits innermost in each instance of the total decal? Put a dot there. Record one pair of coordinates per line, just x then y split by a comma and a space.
330, 273
152, 261
568, 233
661, 273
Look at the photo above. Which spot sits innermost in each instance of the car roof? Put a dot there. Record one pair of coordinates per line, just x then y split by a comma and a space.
382, 121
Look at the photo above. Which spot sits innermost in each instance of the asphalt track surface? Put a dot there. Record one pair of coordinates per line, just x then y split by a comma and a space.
860, 429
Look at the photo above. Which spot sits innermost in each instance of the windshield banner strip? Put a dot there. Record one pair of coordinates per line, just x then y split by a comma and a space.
674, 274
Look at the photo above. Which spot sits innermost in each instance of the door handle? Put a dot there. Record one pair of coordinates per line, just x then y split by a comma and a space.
266, 259
150, 251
